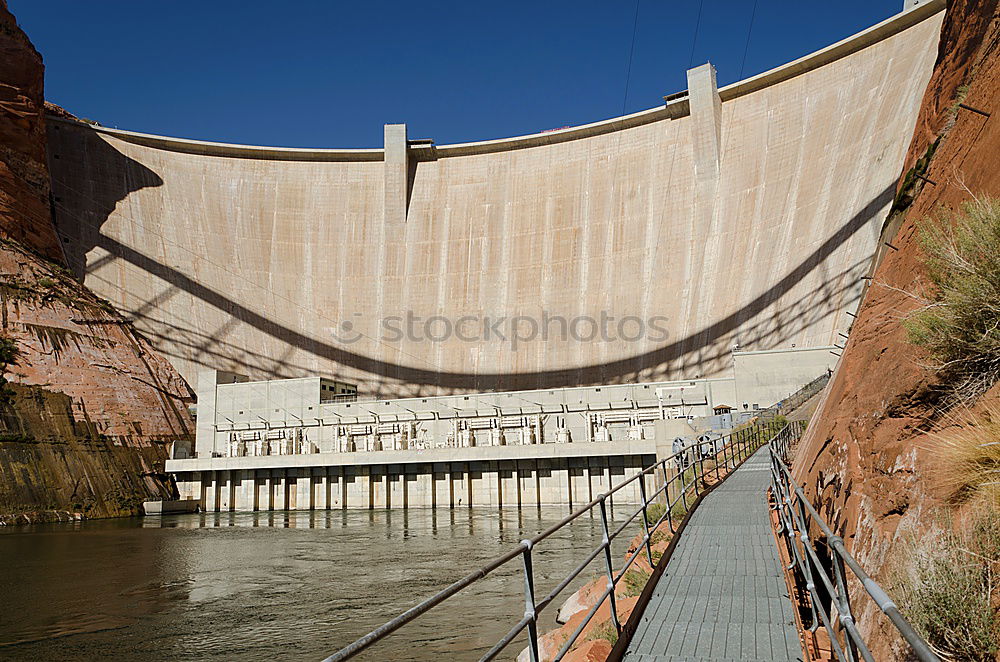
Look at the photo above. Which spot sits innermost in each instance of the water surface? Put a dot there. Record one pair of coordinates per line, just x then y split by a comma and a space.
283, 585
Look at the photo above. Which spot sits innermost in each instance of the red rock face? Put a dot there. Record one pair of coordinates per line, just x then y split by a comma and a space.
70, 341
24, 177
863, 460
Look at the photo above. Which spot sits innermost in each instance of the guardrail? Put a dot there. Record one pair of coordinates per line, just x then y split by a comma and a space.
797, 518
797, 399
680, 477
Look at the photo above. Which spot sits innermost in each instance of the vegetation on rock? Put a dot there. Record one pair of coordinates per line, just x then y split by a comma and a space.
968, 459
949, 590
960, 322
8, 356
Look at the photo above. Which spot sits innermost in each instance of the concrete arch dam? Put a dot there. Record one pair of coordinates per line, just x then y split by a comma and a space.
643, 247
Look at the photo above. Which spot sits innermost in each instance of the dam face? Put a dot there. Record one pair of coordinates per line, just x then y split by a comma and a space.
642, 248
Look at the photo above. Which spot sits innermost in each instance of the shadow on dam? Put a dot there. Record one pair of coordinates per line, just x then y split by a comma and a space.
119, 175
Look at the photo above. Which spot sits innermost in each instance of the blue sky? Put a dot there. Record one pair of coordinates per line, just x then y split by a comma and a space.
330, 74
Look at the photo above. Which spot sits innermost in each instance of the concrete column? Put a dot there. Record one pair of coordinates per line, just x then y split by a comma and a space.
396, 174
395, 476
304, 498
527, 482
336, 488
418, 487
377, 487
279, 484
226, 490
248, 491
706, 121
600, 481
507, 496
264, 490
579, 481
481, 491
321, 488
210, 481
441, 486
356, 487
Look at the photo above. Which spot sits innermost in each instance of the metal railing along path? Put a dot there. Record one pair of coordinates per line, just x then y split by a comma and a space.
796, 518
679, 477
797, 399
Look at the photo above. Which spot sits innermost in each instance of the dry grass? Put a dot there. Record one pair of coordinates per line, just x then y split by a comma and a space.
967, 458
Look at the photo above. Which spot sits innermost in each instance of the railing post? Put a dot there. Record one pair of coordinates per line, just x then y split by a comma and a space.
529, 599
684, 490
611, 570
697, 466
645, 518
843, 601
666, 495
715, 458
803, 534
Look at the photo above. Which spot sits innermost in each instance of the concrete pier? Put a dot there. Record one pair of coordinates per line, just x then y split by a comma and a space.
499, 477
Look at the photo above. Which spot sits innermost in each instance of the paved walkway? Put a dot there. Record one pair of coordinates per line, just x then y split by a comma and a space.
722, 595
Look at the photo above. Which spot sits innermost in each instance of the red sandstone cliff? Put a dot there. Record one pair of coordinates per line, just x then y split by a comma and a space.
864, 458
70, 341
24, 177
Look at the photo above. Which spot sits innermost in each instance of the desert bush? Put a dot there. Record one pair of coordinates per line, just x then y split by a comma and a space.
960, 323
605, 630
9, 354
654, 512
634, 580
948, 591
967, 458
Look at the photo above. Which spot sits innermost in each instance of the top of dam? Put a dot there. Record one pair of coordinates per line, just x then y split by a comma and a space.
674, 106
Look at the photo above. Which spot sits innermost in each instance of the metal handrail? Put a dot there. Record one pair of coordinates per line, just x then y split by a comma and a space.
796, 517
688, 469
797, 399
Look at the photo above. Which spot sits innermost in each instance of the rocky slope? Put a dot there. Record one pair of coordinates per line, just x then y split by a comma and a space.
865, 458
129, 401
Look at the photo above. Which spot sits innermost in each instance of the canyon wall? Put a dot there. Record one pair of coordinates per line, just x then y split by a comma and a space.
744, 219
865, 458
105, 405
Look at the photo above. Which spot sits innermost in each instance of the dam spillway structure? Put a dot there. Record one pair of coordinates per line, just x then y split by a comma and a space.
733, 221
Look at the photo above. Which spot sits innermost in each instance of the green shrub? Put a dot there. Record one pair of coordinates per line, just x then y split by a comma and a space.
605, 630
960, 322
634, 581
654, 512
8, 356
947, 593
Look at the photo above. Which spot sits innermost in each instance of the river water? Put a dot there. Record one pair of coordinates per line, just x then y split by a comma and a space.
279, 586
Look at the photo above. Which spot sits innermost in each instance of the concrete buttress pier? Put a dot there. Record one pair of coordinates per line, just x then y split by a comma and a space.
706, 125
396, 174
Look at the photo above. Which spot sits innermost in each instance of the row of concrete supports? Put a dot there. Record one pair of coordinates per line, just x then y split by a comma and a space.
502, 483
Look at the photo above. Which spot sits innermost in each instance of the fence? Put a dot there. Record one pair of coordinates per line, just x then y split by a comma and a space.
797, 518
797, 399
680, 476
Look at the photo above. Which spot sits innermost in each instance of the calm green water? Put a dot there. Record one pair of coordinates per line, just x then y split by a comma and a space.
285, 585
